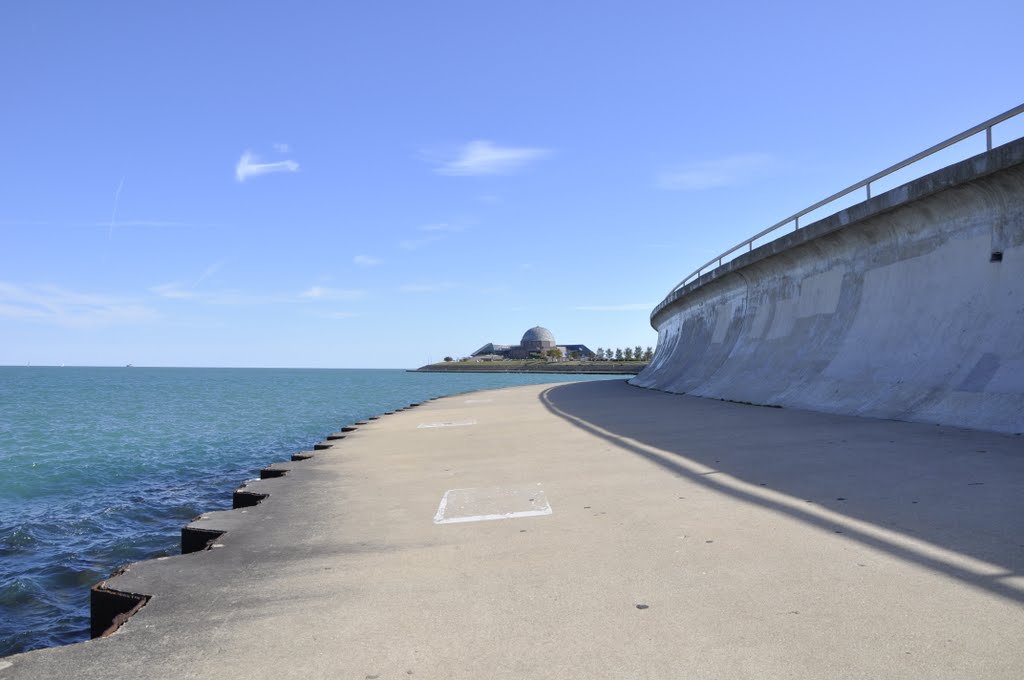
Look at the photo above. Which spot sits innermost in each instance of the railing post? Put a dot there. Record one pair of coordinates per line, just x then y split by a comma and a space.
797, 224
868, 187
988, 138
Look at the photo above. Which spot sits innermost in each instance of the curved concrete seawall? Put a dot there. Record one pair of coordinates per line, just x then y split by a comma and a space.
907, 306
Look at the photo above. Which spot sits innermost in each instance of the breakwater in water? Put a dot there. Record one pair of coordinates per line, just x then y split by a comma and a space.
103, 466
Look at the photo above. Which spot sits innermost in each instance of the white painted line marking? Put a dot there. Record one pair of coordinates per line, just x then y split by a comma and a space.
496, 502
479, 401
450, 423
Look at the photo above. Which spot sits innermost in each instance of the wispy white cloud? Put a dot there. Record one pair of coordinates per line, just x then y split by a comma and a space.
281, 147
177, 290
427, 287
53, 304
227, 297
104, 224
251, 165
629, 307
324, 293
714, 174
173, 291
483, 157
366, 261
435, 231
445, 227
417, 243
137, 223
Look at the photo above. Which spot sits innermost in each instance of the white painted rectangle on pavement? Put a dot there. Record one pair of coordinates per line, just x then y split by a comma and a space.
448, 423
479, 401
490, 503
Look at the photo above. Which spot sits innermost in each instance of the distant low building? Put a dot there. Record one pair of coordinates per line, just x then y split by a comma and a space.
536, 340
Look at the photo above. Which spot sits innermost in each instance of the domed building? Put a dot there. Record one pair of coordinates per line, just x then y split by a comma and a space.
537, 340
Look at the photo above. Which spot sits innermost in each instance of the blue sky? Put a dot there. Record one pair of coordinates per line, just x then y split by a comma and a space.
380, 184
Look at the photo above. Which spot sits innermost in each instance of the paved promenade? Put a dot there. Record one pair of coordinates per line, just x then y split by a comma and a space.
597, 530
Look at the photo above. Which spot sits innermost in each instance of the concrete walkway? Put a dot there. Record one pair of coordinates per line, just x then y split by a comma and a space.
639, 535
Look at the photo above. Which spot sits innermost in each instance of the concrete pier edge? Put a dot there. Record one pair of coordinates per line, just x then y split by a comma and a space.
689, 538
110, 609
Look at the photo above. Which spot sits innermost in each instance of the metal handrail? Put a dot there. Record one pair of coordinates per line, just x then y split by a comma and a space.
866, 183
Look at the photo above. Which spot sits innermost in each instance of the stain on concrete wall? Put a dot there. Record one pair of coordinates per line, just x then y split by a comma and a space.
894, 308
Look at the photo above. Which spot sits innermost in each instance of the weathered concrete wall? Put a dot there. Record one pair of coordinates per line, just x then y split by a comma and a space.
892, 308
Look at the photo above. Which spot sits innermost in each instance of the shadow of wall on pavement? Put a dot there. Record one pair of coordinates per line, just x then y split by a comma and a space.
947, 499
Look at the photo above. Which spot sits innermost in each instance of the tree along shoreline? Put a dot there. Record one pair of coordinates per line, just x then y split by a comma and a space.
535, 366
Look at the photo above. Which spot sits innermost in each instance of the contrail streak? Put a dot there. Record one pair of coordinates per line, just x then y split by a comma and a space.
210, 271
113, 214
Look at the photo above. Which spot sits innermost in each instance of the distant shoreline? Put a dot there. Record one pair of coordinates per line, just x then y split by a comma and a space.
590, 368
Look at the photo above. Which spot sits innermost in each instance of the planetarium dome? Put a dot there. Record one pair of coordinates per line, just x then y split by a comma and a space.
537, 338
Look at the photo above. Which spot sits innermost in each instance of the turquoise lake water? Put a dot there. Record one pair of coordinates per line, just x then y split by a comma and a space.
102, 466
